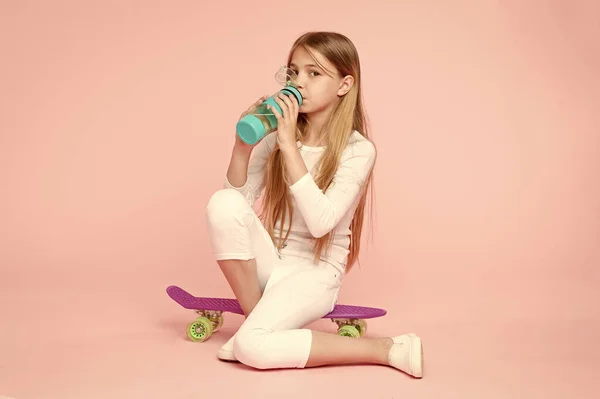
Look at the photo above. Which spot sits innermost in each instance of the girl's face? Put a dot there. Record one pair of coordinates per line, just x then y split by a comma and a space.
320, 88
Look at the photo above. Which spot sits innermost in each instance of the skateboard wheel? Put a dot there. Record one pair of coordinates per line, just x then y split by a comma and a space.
361, 325
200, 329
349, 331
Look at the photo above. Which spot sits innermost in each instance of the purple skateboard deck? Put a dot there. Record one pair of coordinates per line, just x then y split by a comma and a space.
349, 318
189, 301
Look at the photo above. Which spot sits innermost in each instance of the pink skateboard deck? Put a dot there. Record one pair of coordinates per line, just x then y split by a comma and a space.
350, 319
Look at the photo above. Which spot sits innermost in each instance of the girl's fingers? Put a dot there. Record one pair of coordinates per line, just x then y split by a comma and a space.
252, 109
260, 100
292, 104
276, 113
289, 102
254, 106
284, 107
295, 104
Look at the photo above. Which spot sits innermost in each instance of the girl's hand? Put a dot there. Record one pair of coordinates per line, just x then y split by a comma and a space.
286, 123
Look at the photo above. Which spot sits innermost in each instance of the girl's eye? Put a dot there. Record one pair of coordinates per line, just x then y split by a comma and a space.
313, 73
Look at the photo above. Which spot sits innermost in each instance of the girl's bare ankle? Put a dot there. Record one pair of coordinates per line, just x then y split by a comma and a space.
384, 346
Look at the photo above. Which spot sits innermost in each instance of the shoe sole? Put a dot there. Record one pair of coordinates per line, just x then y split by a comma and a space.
226, 356
416, 347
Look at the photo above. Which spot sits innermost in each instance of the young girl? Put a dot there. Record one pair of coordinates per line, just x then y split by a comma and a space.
286, 270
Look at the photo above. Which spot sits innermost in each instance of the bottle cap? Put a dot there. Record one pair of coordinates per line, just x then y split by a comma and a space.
250, 129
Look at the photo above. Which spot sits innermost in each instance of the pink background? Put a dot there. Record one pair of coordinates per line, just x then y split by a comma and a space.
116, 122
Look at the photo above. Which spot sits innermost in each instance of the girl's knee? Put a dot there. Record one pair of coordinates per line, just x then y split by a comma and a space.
248, 348
224, 205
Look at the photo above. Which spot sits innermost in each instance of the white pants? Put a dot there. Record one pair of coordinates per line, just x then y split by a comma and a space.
296, 291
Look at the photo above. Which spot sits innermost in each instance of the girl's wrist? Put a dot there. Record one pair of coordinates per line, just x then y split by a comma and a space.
287, 148
242, 149
294, 164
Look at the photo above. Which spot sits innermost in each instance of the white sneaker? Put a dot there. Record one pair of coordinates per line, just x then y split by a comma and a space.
226, 351
407, 354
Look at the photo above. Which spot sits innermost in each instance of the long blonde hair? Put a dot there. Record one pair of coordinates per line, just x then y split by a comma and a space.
347, 117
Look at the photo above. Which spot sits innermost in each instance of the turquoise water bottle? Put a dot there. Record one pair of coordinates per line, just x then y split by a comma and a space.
253, 127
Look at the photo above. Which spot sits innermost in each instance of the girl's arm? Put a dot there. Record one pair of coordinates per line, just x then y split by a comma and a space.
294, 164
245, 173
237, 173
322, 211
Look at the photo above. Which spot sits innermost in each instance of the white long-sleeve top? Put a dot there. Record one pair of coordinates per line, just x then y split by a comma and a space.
316, 212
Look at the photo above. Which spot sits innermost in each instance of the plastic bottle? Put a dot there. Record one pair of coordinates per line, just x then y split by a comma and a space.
253, 127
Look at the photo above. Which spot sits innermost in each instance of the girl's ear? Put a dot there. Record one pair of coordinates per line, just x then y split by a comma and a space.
345, 85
